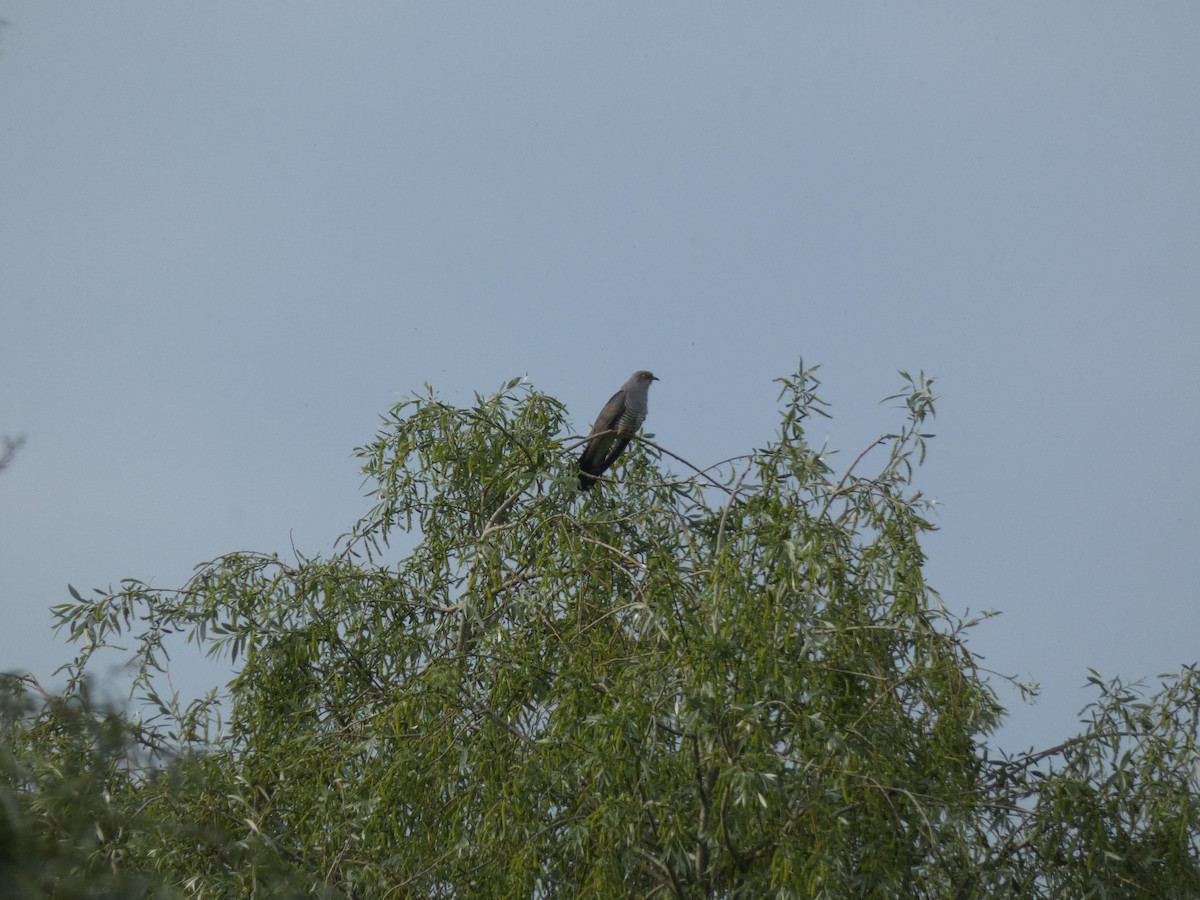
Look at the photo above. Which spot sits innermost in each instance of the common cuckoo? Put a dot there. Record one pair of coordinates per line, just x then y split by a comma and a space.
620, 419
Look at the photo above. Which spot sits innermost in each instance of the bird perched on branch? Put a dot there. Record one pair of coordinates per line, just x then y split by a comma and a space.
620, 419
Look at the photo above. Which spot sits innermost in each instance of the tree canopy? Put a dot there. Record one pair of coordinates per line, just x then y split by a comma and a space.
718, 681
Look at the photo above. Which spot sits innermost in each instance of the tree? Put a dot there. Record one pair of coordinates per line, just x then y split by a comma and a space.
734, 683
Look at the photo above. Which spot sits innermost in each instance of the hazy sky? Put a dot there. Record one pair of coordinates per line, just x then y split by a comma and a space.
231, 234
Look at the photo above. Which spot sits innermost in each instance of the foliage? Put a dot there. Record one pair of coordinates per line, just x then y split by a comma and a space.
733, 684
61, 828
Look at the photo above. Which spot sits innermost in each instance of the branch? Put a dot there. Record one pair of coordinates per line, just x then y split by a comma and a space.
1027, 760
842, 482
729, 503
702, 472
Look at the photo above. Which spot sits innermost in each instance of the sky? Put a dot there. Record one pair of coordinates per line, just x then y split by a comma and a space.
232, 235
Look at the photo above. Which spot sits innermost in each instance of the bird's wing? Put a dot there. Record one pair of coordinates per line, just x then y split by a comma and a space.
608, 417
603, 448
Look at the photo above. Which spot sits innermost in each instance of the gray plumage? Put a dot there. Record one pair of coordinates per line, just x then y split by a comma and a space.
620, 419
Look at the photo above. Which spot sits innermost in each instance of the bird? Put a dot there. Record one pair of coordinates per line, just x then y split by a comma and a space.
620, 419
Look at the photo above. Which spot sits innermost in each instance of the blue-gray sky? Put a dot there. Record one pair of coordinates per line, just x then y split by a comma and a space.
231, 234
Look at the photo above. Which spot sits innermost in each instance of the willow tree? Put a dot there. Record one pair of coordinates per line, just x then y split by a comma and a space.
729, 681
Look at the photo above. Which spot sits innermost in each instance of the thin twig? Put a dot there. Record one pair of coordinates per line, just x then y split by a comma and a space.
842, 482
729, 503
